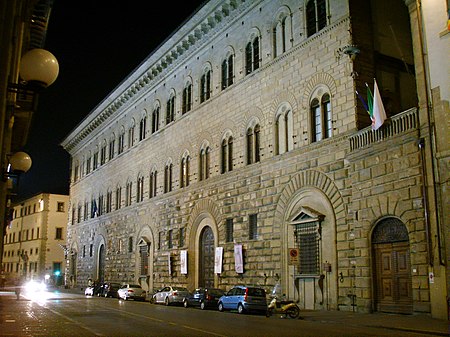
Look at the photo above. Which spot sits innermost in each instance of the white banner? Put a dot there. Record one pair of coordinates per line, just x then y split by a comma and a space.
169, 264
218, 260
238, 260
183, 258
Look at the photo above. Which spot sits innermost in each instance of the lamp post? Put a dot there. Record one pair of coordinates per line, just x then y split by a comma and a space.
36, 70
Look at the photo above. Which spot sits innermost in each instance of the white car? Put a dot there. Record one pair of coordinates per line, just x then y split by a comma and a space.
131, 291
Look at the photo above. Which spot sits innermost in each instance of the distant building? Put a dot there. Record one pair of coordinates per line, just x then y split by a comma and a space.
35, 239
239, 152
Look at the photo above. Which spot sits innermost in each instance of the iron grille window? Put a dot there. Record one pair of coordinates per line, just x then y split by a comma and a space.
229, 230
170, 238
130, 244
253, 227
307, 241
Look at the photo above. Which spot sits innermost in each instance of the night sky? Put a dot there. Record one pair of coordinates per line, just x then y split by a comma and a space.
97, 44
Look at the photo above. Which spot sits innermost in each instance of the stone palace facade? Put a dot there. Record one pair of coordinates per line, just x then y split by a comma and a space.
239, 152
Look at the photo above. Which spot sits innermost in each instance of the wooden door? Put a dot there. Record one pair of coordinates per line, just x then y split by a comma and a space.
206, 278
393, 278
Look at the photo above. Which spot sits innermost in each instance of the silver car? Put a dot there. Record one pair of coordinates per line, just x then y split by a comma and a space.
131, 291
170, 295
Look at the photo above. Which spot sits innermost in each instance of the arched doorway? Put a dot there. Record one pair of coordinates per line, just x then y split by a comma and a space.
206, 276
392, 267
101, 263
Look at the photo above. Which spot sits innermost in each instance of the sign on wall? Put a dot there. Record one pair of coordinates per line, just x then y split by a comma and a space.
293, 258
238, 259
183, 258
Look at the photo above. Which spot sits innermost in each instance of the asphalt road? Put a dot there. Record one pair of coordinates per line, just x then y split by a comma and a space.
65, 314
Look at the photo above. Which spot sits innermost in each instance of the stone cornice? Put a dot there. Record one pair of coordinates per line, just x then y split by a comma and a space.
177, 47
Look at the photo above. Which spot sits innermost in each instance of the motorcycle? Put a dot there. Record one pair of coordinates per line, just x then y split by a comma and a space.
288, 308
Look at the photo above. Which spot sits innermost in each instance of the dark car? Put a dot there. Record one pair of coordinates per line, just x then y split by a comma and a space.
109, 289
244, 299
94, 289
204, 298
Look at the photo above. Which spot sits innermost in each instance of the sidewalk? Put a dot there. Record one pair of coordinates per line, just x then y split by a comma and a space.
417, 323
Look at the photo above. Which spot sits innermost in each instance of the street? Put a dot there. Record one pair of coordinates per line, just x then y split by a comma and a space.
67, 314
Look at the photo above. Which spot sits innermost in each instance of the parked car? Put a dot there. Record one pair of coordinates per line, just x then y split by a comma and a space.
170, 295
204, 298
131, 291
93, 289
244, 299
109, 289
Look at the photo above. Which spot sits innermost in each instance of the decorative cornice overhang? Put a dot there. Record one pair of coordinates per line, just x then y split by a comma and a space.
177, 47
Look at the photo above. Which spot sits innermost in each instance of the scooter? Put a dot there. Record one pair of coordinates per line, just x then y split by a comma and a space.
288, 308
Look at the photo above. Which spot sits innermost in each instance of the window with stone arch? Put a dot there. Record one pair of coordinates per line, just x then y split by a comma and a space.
170, 109
103, 152
121, 140
227, 72
108, 208
187, 97
143, 126
184, 169
118, 202
140, 188
153, 182
227, 153
168, 170
282, 32
204, 162
88, 162
316, 16
128, 193
252, 53
112, 145
205, 84
131, 133
321, 115
155, 117
253, 143
284, 129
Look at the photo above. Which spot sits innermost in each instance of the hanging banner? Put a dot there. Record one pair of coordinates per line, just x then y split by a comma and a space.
238, 260
218, 260
183, 258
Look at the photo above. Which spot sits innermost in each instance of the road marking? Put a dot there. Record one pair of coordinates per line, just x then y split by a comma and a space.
10, 320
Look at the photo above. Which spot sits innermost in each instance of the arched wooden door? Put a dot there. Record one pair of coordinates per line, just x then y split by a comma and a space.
206, 277
392, 266
101, 263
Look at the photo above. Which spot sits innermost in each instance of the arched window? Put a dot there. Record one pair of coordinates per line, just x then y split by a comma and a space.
187, 98
284, 128
152, 183
142, 127
252, 55
118, 197
204, 162
227, 72
316, 16
108, 201
227, 154
155, 119
140, 189
170, 110
128, 193
281, 34
121, 144
205, 85
103, 153
321, 118
168, 177
253, 145
112, 143
131, 135
184, 170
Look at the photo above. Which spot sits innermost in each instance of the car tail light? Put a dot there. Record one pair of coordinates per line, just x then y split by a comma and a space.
175, 293
130, 291
246, 294
208, 297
